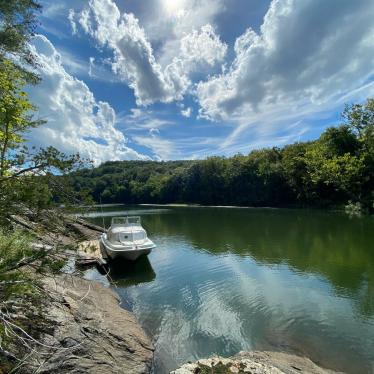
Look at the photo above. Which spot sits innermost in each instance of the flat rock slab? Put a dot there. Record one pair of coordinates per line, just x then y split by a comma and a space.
93, 334
254, 363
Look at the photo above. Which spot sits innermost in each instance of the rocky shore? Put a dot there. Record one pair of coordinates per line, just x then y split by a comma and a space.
254, 363
92, 333
77, 325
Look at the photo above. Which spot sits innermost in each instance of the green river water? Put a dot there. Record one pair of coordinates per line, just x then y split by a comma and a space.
222, 280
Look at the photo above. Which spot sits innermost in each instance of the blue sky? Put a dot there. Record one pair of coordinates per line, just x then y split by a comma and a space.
181, 79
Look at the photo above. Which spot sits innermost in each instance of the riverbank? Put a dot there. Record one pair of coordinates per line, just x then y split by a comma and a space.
191, 205
206, 206
70, 325
351, 209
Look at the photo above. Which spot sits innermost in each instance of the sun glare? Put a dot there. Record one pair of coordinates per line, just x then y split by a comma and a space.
173, 7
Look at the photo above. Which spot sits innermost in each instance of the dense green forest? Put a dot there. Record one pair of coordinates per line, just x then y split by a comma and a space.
333, 170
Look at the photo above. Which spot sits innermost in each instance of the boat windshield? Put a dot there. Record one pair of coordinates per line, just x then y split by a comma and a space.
126, 221
133, 220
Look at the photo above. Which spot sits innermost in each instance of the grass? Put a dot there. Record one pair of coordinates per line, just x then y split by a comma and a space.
15, 246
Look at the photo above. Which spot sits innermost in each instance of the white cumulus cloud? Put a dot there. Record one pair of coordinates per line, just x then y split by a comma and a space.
311, 53
77, 122
203, 46
186, 112
134, 59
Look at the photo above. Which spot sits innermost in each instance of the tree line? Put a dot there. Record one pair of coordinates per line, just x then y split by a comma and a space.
331, 171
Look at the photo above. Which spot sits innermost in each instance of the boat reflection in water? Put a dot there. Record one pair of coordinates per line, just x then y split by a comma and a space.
125, 273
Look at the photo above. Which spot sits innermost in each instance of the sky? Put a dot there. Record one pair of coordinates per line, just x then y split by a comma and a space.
188, 79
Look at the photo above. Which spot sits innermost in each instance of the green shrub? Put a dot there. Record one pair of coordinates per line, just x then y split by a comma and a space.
15, 247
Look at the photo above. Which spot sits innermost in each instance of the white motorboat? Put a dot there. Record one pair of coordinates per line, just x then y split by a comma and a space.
126, 238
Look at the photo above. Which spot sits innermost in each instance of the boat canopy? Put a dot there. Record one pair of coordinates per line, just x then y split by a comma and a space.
126, 229
126, 221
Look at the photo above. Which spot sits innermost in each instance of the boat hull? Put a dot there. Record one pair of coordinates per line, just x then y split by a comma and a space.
131, 254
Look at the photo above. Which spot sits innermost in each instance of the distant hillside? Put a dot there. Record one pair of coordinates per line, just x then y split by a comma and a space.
332, 170
126, 181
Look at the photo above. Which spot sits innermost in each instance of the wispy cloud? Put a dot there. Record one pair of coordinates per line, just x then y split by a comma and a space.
162, 149
142, 119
